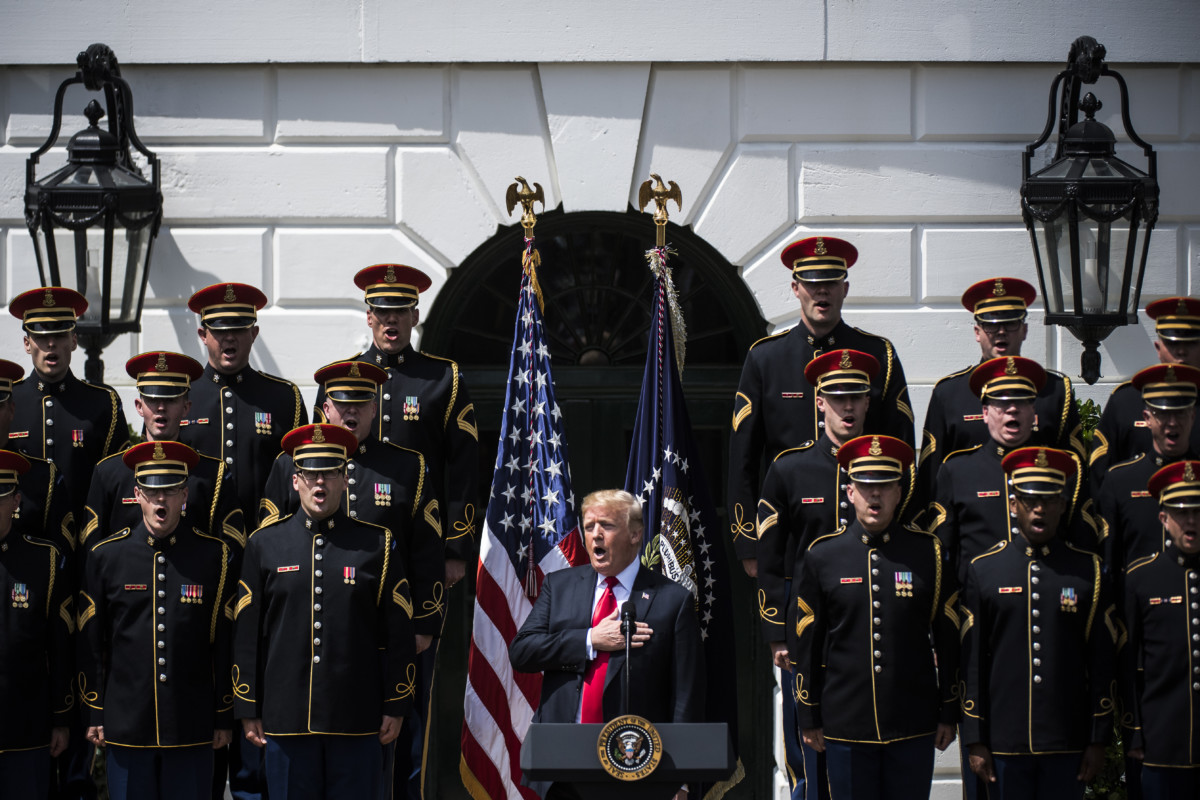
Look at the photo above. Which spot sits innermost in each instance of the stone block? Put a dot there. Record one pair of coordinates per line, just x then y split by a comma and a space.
375, 103
1179, 193
982, 103
12, 183
620, 30
1190, 91
954, 258
819, 101
220, 32
1192, 266
318, 265
440, 204
749, 205
961, 30
867, 183
171, 103
684, 140
276, 183
501, 131
594, 112
186, 260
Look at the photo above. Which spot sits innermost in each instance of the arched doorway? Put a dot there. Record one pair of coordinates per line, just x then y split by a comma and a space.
597, 289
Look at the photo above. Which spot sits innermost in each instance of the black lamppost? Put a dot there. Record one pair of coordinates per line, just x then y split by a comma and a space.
93, 222
1089, 213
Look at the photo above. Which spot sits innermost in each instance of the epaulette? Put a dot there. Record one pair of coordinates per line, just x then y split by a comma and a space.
773, 336
991, 551
964, 451
799, 449
271, 524
838, 532
209, 536
1127, 462
105, 389
953, 375
449, 361
874, 336
1081, 550
112, 537
908, 526
278, 379
1141, 562
42, 543
117, 455
1121, 386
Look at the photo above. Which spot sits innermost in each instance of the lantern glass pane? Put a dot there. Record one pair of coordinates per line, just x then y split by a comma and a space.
81, 267
1104, 253
1054, 254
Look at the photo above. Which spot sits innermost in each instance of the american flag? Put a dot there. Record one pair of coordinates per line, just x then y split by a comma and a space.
530, 529
682, 539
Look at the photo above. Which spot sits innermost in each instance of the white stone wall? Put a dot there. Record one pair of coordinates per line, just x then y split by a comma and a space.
292, 177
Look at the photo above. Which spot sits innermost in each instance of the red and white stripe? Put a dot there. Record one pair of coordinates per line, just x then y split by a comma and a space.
499, 702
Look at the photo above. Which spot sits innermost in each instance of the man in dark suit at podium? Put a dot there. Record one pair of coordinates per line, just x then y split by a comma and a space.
573, 634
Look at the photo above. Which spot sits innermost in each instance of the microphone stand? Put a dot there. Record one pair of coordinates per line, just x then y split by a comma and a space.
628, 625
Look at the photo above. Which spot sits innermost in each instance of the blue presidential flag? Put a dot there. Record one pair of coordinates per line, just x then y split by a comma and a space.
682, 538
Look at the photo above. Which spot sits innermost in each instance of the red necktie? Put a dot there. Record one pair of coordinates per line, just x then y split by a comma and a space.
592, 709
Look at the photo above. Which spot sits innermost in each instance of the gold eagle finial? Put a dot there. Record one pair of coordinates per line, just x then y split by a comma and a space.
660, 194
526, 197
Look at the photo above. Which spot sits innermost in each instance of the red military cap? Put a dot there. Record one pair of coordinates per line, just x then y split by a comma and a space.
160, 465
1176, 485
1176, 318
12, 465
392, 285
227, 306
842, 372
350, 381
163, 373
875, 459
319, 446
819, 258
1008, 378
9, 373
999, 299
1039, 470
50, 309
1168, 386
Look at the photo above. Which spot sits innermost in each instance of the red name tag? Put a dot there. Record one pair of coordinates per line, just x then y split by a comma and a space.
1011, 589
1141, 423
809, 500
1177, 599
18, 434
1139, 494
972, 417
1155, 601
987, 494
293, 568
791, 395
135, 587
128, 501
851, 580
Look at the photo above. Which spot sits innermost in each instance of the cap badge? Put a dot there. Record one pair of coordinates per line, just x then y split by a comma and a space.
161, 365
230, 297
1010, 368
390, 275
875, 449
1169, 375
998, 289
1041, 460
1181, 307
1188, 475
845, 363
318, 436
820, 247
354, 371
48, 300
159, 455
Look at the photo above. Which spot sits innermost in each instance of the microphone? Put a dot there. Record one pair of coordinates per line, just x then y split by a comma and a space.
628, 626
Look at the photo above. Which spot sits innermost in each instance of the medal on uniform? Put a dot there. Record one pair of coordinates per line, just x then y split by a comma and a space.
348, 575
383, 494
1068, 601
20, 595
412, 408
904, 584
77, 438
262, 423
191, 593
